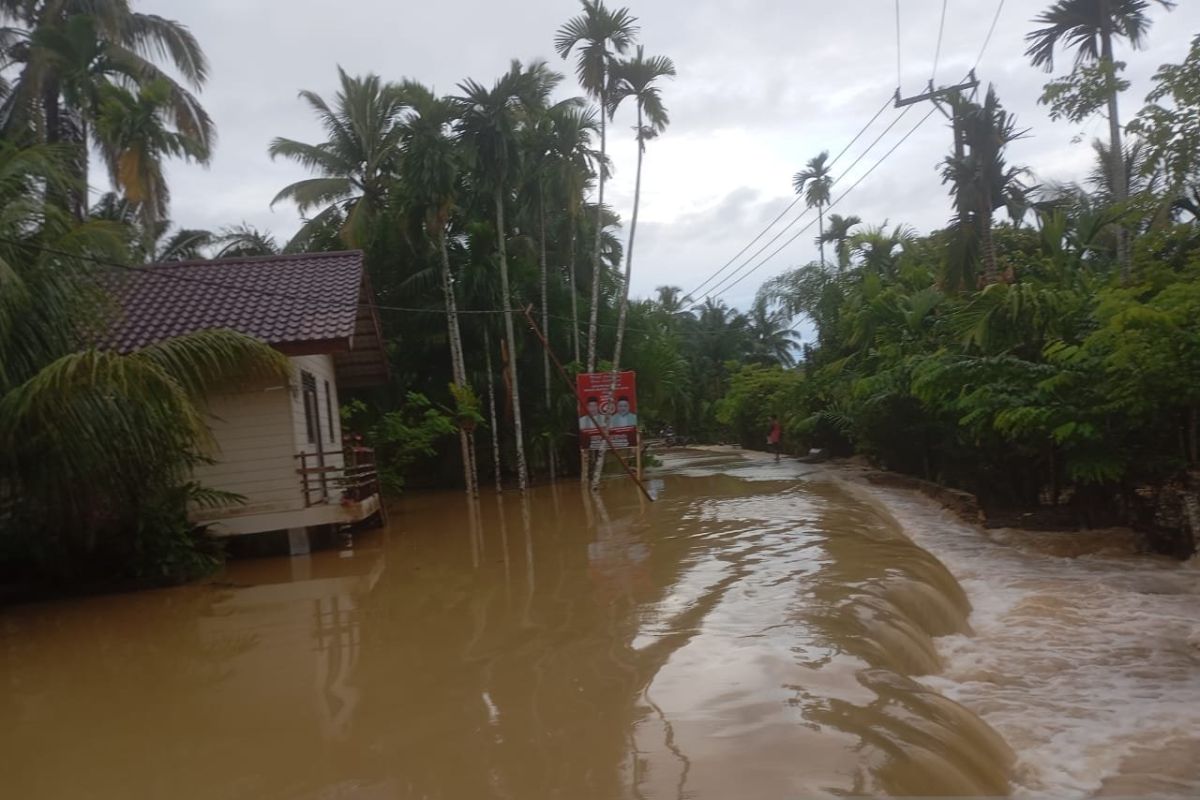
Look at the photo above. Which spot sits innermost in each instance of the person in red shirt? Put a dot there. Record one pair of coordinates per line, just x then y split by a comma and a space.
775, 436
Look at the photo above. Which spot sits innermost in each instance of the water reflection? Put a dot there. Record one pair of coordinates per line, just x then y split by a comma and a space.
725, 641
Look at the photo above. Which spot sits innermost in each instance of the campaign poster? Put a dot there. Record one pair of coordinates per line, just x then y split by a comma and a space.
608, 405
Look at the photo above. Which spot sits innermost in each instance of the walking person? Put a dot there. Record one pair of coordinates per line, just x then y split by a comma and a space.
775, 436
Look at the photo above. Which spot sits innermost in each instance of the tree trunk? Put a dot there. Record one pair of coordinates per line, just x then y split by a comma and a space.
987, 246
1193, 437
546, 330
457, 363
595, 310
637, 196
510, 336
81, 199
491, 383
821, 231
624, 310
574, 223
1120, 185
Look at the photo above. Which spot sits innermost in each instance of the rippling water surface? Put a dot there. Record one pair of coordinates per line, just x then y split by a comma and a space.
761, 631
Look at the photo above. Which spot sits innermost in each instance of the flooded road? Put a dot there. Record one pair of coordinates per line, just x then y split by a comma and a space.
762, 631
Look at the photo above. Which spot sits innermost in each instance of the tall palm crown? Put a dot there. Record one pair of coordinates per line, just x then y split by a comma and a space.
1083, 25
981, 180
815, 183
638, 78
983, 173
489, 121
354, 165
431, 163
574, 159
599, 34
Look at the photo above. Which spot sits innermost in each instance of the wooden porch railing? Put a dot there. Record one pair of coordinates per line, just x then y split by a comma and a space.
356, 478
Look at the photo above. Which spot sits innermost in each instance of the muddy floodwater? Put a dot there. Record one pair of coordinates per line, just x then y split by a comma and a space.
762, 631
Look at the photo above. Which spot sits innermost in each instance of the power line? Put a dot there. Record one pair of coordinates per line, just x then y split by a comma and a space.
725, 285
898, 80
717, 288
762, 233
886, 102
841, 197
937, 52
987, 40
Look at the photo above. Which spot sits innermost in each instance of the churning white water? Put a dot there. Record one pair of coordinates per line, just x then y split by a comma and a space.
1088, 666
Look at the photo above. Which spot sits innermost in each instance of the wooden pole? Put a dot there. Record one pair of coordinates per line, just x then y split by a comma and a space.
639, 455
567, 380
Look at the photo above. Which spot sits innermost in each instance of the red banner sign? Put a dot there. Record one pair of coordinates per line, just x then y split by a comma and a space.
606, 404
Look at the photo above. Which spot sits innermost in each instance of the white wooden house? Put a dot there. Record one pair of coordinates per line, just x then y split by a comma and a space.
280, 446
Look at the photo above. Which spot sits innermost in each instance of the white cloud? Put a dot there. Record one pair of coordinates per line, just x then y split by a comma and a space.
763, 85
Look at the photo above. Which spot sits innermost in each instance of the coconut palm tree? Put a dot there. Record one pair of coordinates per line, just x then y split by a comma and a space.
879, 249
599, 35
488, 128
153, 241
815, 183
431, 170
1140, 176
981, 180
671, 302
638, 78
67, 53
772, 339
355, 165
839, 236
813, 292
1090, 26
243, 241
135, 141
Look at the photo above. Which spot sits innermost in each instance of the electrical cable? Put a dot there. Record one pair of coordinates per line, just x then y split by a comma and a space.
937, 51
717, 287
886, 102
835, 202
987, 40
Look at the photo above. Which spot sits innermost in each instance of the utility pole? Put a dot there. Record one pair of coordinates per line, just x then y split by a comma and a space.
934, 95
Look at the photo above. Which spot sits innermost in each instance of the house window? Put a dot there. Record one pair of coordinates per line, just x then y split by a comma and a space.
312, 422
329, 412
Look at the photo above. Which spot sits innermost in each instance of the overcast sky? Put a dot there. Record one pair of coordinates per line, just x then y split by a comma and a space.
763, 86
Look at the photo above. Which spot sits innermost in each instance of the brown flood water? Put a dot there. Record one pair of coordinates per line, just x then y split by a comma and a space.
759, 632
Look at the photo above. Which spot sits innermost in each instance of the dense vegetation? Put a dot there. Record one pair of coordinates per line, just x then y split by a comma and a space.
96, 448
1051, 357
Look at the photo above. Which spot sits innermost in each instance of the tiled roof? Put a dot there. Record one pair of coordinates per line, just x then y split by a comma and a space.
290, 300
